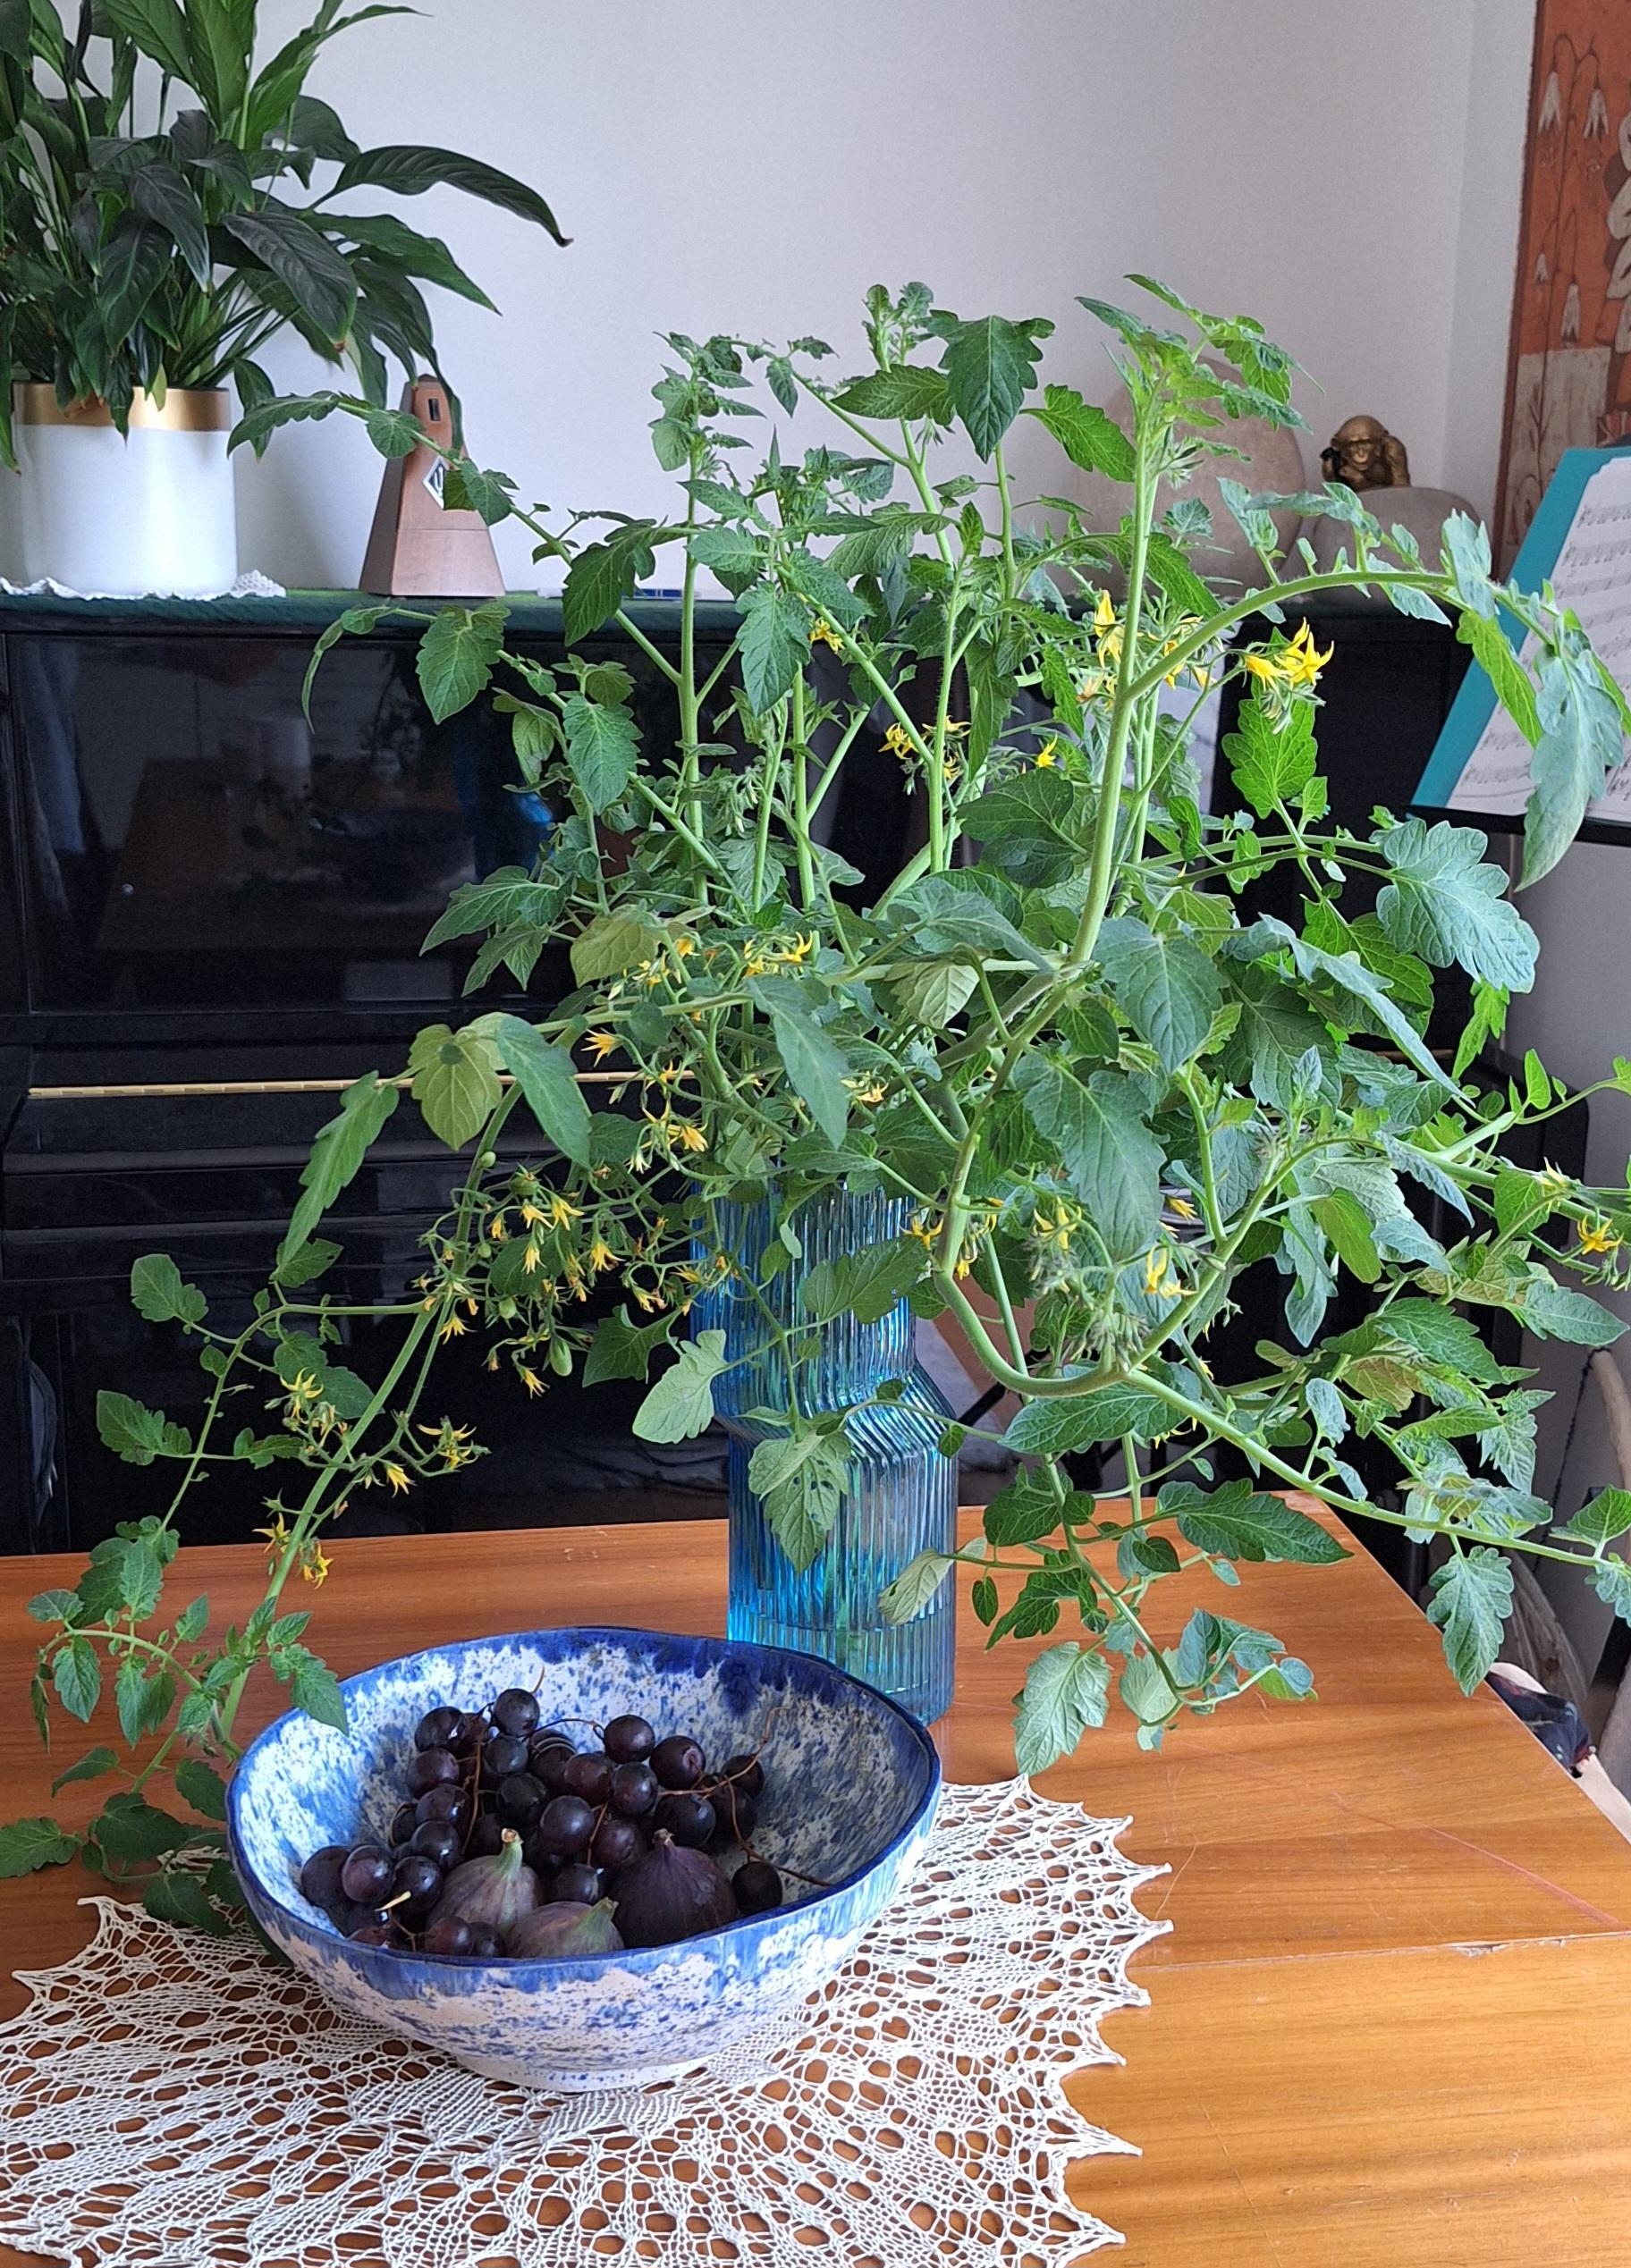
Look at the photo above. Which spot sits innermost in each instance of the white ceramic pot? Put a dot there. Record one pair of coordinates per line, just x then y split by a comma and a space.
116, 515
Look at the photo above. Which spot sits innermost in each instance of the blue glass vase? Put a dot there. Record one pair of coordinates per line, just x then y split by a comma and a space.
901, 1498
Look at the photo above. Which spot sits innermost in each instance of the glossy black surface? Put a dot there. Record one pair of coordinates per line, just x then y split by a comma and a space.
199, 890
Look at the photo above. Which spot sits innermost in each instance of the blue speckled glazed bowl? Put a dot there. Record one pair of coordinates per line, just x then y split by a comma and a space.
852, 1788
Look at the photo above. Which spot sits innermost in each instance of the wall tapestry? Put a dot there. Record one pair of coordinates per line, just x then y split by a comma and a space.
1568, 384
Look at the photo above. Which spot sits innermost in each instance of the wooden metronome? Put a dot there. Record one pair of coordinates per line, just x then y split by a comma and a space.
416, 549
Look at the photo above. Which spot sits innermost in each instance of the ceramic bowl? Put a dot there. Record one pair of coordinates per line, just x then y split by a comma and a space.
852, 1785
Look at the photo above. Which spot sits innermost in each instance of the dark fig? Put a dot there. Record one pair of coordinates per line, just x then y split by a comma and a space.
671, 1893
495, 1891
565, 1932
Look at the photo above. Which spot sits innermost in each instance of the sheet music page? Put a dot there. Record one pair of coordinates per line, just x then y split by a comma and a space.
1593, 576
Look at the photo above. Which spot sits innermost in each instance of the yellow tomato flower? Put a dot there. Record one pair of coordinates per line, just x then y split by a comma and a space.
455, 1328
400, 1483
530, 1379
1157, 1281
497, 1231
688, 1136
1598, 1236
800, 950
1048, 754
600, 1045
899, 742
529, 1259
823, 634
530, 1215
313, 1564
600, 1256
1104, 612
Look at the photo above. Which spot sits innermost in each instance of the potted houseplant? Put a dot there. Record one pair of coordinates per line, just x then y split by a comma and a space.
157, 227
1090, 1092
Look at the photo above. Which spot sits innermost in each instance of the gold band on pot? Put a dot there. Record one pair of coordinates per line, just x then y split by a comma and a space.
186, 409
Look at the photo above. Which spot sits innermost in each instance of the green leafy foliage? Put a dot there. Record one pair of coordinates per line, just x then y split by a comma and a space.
28, 1844
1096, 1107
186, 248
680, 1403
1066, 1691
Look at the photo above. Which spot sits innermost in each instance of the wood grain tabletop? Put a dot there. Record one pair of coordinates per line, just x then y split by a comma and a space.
1392, 2021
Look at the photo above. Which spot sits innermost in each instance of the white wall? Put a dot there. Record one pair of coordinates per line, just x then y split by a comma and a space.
753, 165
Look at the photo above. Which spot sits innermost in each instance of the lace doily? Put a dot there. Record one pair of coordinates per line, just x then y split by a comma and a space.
175, 2099
250, 583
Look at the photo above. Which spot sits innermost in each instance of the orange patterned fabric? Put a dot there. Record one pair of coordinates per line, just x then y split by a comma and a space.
1569, 385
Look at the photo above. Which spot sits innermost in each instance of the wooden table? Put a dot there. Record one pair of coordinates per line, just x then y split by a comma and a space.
1392, 2023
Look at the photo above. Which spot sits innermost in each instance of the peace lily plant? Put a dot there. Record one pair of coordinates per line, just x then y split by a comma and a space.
1104, 1093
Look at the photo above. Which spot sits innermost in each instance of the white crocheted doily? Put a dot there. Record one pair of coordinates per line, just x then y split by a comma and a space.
175, 2101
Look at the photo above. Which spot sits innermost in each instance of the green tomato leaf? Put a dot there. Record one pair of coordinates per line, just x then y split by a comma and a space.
1237, 1522
337, 1155
1166, 987
1064, 1422
906, 391
158, 1292
621, 1349
457, 655
1087, 436
1271, 756
1606, 1516
178, 1897
1553, 1312
817, 1067
604, 574
775, 643
201, 1785
27, 1844
1444, 905
91, 1766
77, 1675
1472, 1597
990, 367
1066, 1691
800, 1478
455, 1081
602, 749
916, 1587
1580, 743
680, 1403
1110, 1155
129, 1830
544, 1075
868, 1284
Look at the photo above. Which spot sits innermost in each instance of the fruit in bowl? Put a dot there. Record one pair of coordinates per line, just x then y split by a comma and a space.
742, 1885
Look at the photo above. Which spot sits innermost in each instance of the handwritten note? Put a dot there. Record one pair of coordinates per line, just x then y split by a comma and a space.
1592, 574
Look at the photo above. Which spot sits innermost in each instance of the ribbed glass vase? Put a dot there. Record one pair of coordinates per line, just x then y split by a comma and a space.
903, 1493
